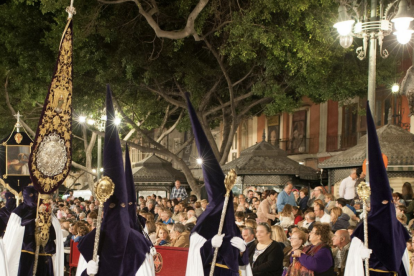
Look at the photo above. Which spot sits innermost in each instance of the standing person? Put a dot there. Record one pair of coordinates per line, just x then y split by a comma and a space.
267, 258
178, 192
264, 212
407, 191
286, 197
232, 257
347, 186
316, 194
250, 196
317, 257
6, 211
303, 202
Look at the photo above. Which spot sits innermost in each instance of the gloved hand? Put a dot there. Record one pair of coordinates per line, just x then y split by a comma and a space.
365, 253
153, 251
217, 240
238, 243
92, 266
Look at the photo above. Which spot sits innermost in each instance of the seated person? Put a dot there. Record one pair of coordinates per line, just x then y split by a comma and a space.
163, 238
179, 236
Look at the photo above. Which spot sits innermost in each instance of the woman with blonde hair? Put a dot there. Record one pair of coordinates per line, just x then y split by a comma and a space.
339, 220
278, 235
163, 236
251, 223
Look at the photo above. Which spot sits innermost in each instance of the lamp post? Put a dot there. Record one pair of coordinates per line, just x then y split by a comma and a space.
373, 28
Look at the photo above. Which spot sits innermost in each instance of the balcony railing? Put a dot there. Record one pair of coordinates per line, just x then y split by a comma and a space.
341, 142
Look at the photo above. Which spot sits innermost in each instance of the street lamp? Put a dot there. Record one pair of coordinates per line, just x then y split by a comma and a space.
395, 88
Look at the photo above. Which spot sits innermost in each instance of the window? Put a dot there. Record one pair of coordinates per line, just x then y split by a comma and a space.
349, 126
273, 125
298, 136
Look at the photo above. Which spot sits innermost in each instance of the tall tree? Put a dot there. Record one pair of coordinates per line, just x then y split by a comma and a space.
237, 59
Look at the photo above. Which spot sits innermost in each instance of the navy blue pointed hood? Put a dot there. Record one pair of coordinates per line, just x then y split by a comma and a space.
119, 252
387, 236
5, 212
27, 209
208, 223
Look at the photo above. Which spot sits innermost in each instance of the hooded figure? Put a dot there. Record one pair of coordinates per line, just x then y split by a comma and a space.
20, 234
123, 251
387, 237
5, 212
232, 258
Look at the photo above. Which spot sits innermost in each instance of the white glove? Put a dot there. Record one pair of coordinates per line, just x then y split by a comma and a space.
92, 266
217, 240
238, 243
365, 253
153, 251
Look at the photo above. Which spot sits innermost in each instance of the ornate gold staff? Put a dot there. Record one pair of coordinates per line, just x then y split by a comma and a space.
228, 183
364, 192
43, 223
104, 188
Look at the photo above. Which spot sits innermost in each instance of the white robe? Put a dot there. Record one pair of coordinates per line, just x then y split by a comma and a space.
194, 262
12, 243
146, 269
354, 262
3, 266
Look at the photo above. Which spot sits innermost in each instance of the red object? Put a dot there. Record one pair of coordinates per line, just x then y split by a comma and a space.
297, 219
73, 256
364, 165
170, 259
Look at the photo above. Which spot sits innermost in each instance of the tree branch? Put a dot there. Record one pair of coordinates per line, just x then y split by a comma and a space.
250, 106
215, 109
183, 146
115, 2
165, 133
242, 79
167, 98
207, 97
188, 29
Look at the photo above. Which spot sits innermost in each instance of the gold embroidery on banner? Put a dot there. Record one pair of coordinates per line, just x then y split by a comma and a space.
57, 114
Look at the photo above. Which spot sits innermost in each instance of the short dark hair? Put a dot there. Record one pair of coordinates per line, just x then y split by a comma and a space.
341, 201
251, 231
305, 191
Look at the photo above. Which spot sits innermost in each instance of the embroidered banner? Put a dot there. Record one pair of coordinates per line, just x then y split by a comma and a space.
51, 154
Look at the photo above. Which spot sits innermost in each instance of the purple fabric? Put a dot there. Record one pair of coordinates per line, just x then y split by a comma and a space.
5, 212
320, 262
208, 222
387, 240
27, 210
44, 265
132, 198
121, 248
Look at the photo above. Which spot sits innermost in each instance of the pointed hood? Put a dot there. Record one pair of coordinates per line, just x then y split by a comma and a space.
387, 254
116, 248
208, 223
10, 201
27, 209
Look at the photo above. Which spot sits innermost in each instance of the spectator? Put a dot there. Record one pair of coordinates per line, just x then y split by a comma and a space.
407, 191
92, 215
264, 212
204, 204
341, 203
197, 209
297, 212
243, 205
178, 192
180, 237
286, 217
249, 239
317, 257
290, 230
251, 223
250, 196
320, 214
303, 202
267, 258
286, 197
176, 214
351, 229
152, 231
341, 240
296, 195
401, 217
82, 229
82, 216
398, 200
309, 221
278, 235
347, 186
191, 217
339, 220
182, 217
316, 194
166, 217
239, 218
297, 242
329, 203
163, 238
193, 199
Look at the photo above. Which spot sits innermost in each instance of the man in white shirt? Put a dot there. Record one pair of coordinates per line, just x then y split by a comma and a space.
320, 214
347, 187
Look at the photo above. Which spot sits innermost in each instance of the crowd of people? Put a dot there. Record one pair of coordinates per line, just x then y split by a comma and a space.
293, 232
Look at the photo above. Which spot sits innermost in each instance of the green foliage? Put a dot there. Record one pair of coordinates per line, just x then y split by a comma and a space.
291, 46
